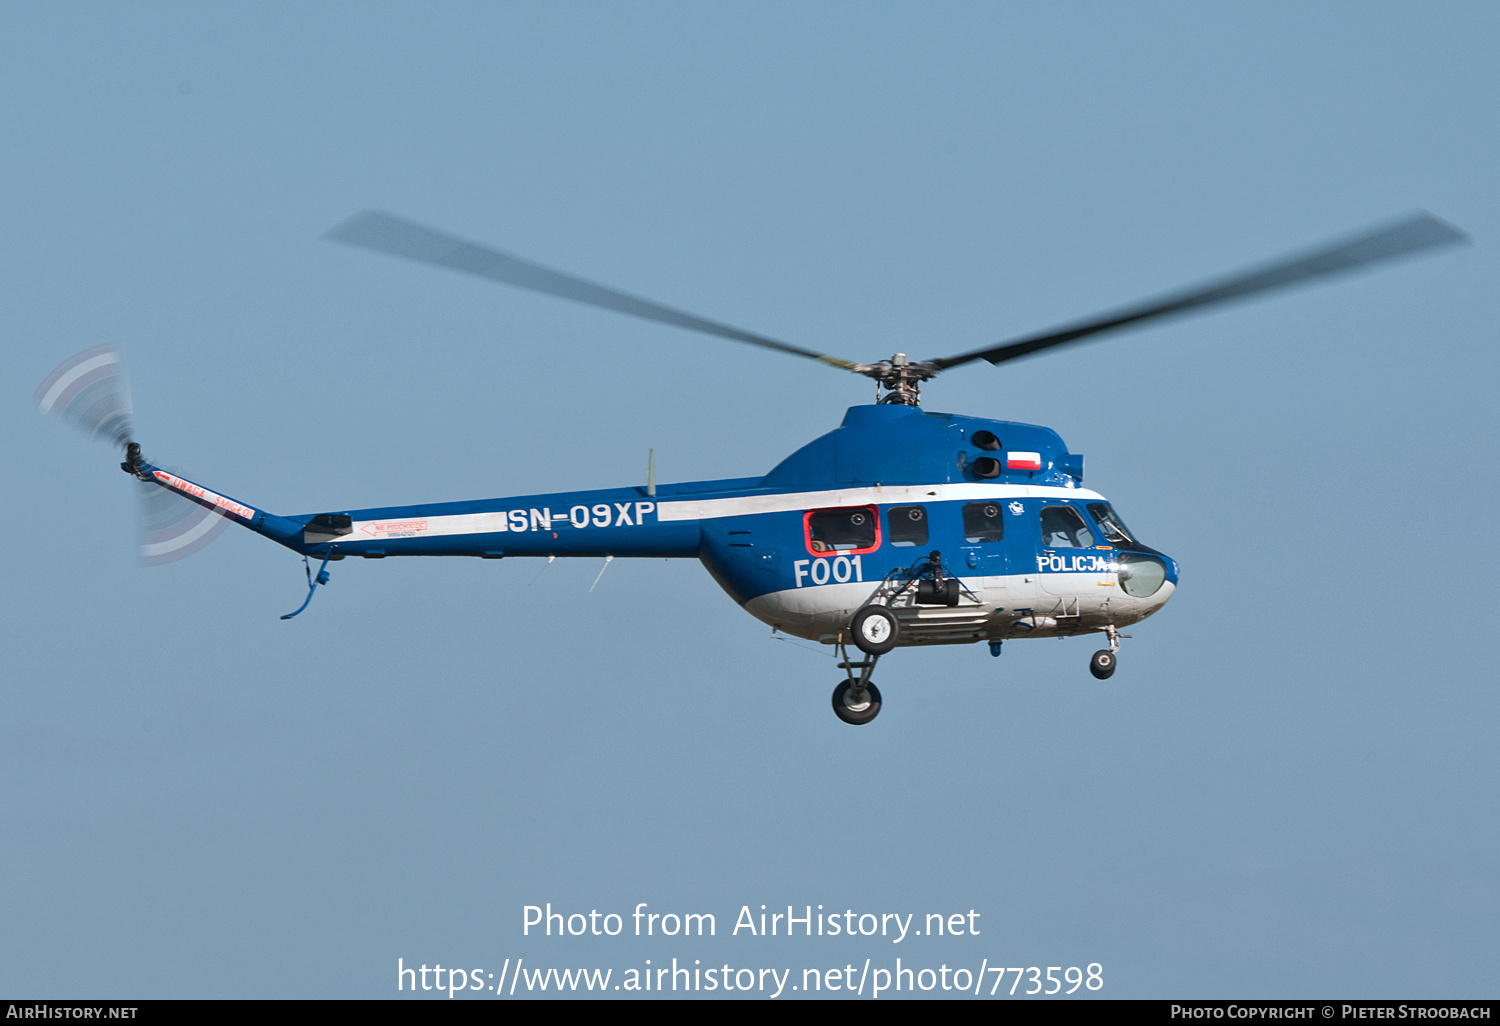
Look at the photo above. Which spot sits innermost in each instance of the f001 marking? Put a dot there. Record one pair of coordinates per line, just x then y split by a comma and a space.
839, 569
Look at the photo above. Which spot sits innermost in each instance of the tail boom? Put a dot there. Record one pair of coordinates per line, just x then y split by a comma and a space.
605, 522
279, 529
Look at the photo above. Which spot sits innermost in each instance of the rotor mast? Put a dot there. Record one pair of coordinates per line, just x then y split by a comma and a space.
899, 377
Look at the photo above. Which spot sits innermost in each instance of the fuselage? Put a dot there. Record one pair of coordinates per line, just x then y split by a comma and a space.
836, 525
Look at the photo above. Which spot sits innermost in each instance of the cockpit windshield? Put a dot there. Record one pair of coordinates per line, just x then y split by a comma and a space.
1115, 531
1063, 528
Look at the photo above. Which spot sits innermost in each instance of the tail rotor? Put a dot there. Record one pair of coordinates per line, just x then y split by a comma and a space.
172, 527
91, 391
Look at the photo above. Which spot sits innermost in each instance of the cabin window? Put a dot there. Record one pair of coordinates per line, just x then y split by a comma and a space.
1115, 531
908, 525
983, 522
1063, 528
851, 531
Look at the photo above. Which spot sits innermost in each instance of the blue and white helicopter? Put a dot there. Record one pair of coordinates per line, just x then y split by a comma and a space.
901, 527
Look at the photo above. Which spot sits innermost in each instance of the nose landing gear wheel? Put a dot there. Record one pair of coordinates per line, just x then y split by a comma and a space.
853, 706
875, 630
1102, 665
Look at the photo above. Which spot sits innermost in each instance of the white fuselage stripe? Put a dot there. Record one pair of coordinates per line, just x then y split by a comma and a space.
434, 526
709, 509
429, 526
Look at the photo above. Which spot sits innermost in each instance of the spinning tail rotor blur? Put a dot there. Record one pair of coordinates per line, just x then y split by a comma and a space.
92, 391
172, 527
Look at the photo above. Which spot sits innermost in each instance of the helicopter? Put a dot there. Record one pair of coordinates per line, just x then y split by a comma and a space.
902, 527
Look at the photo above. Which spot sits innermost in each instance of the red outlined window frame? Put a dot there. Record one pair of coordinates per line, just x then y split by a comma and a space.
832, 553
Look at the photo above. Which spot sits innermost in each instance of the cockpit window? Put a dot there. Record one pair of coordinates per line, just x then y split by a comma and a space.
1115, 531
982, 522
908, 525
854, 531
1063, 528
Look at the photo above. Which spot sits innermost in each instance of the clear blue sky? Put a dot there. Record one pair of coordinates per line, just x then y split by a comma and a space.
1288, 789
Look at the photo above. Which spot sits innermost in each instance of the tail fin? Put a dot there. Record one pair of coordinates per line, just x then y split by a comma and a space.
186, 535
178, 517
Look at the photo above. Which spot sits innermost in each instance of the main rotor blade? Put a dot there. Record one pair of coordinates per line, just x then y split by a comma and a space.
387, 234
1419, 232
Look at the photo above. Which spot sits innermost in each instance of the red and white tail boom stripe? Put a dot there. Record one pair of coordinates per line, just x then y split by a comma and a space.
203, 495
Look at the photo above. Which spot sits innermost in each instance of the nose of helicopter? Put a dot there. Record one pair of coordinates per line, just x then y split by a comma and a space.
1149, 577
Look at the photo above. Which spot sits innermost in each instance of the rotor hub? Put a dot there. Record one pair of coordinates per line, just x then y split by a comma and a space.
899, 378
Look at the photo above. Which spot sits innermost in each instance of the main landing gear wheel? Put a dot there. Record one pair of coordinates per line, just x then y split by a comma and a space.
1103, 664
876, 630
853, 706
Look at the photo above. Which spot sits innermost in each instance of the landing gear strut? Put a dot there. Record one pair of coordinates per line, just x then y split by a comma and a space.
856, 700
1102, 665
